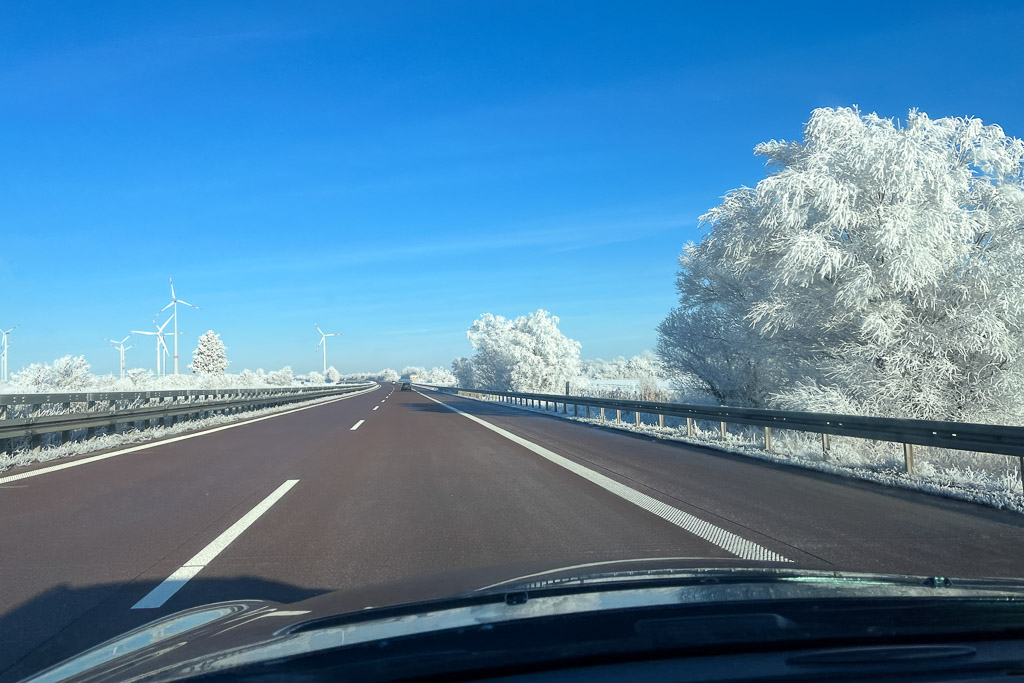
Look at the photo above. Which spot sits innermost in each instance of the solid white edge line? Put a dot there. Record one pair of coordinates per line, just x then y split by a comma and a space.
728, 541
173, 439
356, 426
173, 583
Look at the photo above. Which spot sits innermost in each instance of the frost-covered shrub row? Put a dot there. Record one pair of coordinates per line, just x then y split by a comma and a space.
878, 269
438, 376
528, 353
646, 375
72, 373
385, 375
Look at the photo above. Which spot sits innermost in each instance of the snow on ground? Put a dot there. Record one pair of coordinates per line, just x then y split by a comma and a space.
993, 480
134, 436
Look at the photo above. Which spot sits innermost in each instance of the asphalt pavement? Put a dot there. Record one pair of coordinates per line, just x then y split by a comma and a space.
393, 496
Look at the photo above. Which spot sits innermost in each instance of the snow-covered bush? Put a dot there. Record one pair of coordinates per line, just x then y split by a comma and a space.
645, 372
281, 378
878, 269
209, 357
528, 353
413, 371
315, 378
389, 375
139, 377
68, 373
248, 378
438, 376
333, 375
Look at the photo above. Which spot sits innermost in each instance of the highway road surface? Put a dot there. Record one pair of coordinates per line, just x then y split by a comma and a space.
394, 496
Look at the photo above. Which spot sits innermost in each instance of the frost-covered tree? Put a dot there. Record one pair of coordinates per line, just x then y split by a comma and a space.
462, 368
248, 378
389, 375
210, 356
877, 269
333, 375
413, 370
438, 376
528, 353
68, 373
316, 377
281, 378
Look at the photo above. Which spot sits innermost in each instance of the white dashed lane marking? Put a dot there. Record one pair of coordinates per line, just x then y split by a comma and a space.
173, 583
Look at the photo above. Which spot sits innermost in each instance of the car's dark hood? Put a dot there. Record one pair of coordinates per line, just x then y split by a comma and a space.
218, 637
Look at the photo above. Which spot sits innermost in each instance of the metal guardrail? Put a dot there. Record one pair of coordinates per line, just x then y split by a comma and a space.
36, 415
966, 436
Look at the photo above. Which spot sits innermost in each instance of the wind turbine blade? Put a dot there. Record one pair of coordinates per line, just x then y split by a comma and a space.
142, 332
318, 328
129, 347
164, 309
111, 341
171, 280
125, 339
186, 303
333, 334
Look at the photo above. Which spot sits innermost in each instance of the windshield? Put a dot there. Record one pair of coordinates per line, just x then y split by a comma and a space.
398, 301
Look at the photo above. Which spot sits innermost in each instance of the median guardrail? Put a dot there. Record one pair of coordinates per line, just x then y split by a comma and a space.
966, 436
34, 416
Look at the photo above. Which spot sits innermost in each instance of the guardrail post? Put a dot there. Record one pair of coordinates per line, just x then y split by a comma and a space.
575, 409
661, 420
724, 433
565, 408
826, 444
602, 414
908, 457
35, 441
65, 435
618, 416
587, 408
637, 418
689, 426
767, 438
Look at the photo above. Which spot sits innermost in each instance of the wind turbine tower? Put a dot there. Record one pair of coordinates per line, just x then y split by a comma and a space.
119, 345
323, 342
5, 343
174, 304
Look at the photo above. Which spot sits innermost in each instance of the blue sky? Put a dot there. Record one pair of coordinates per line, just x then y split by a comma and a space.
393, 170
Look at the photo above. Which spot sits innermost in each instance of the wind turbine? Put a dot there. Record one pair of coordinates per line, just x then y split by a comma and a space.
122, 348
323, 342
4, 345
160, 343
174, 303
